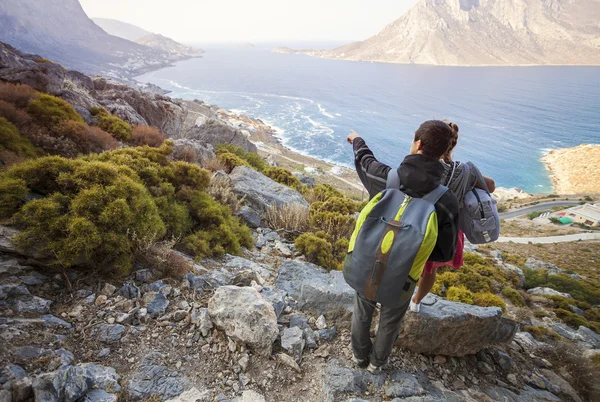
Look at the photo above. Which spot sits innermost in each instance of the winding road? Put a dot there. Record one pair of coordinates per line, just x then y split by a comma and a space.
537, 208
551, 239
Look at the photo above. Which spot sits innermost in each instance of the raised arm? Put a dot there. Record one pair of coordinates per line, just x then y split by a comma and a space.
372, 173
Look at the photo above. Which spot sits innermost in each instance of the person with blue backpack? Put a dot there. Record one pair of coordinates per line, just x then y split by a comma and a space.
411, 218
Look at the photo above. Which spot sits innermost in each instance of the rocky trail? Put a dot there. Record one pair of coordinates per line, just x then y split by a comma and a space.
259, 327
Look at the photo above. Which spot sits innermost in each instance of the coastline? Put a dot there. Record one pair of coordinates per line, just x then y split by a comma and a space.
574, 171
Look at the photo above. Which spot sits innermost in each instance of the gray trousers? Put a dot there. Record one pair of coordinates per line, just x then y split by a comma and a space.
390, 319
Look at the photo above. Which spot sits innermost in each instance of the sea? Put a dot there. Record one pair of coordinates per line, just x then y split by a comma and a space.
509, 117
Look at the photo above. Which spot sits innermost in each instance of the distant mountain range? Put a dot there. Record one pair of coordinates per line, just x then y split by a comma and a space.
143, 37
61, 31
483, 32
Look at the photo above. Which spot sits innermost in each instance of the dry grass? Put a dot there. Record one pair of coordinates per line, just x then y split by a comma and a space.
17, 94
146, 135
584, 373
187, 154
161, 258
293, 218
214, 165
527, 228
220, 189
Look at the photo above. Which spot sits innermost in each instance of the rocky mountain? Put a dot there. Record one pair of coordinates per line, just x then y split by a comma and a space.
61, 31
121, 29
146, 38
484, 32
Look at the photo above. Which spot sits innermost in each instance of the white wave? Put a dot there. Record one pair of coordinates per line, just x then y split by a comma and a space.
324, 111
321, 127
490, 126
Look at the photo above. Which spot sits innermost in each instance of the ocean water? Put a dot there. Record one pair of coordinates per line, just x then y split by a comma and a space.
508, 116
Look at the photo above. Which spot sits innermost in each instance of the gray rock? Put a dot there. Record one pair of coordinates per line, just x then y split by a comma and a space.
440, 323
534, 264
292, 341
311, 339
12, 290
565, 331
102, 353
403, 385
152, 379
314, 288
589, 337
340, 380
156, 303
305, 179
50, 321
250, 216
565, 388
193, 151
509, 268
158, 286
276, 297
11, 372
22, 389
144, 276
201, 319
128, 291
260, 241
99, 395
11, 266
215, 132
526, 341
7, 235
271, 235
260, 192
238, 264
528, 394
578, 311
108, 290
193, 395
30, 305
503, 360
542, 291
327, 334
299, 320
109, 333
245, 316
33, 280
26, 354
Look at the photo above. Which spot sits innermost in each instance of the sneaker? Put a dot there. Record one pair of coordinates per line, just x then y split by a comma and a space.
360, 363
373, 369
415, 307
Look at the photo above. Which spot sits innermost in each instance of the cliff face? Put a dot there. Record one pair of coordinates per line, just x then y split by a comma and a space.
121, 29
486, 32
61, 31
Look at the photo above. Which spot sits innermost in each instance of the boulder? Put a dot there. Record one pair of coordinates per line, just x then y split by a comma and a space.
30, 305
260, 192
245, 316
99, 395
156, 303
193, 395
305, 179
154, 380
109, 333
276, 297
250, 216
542, 291
238, 264
314, 288
534, 264
589, 337
340, 380
12, 290
436, 328
292, 341
403, 385
215, 132
193, 151
509, 268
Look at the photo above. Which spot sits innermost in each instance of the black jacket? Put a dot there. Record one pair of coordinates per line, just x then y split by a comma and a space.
419, 174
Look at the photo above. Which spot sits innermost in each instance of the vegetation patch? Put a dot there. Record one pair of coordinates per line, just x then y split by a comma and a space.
118, 128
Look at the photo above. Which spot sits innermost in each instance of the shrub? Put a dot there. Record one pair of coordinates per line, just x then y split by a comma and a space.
580, 290
290, 217
283, 176
252, 158
337, 225
188, 154
341, 205
514, 296
17, 94
214, 165
13, 193
50, 111
220, 190
116, 127
95, 216
593, 314
571, 319
316, 249
231, 161
145, 135
541, 334
11, 140
540, 313
321, 192
100, 140
489, 300
460, 294
16, 116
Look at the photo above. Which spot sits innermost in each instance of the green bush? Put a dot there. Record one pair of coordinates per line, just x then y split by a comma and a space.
514, 296
580, 290
541, 334
489, 300
570, 318
337, 225
460, 294
252, 158
119, 129
13, 193
315, 248
540, 313
341, 205
11, 140
283, 176
321, 192
593, 314
231, 160
50, 111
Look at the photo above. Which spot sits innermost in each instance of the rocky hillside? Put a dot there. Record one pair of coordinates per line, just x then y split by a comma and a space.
61, 31
575, 170
143, 37
484, 32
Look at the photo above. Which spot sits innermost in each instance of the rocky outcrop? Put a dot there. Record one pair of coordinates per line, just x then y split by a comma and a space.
575, 170
260, 192
153, 379
542, 291
440, 323
215, 132
315, 289
245, 316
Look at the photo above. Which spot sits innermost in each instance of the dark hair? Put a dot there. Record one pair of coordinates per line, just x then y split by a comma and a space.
436, 138
447, 157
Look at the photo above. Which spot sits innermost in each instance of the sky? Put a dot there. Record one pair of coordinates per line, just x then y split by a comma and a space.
254, 20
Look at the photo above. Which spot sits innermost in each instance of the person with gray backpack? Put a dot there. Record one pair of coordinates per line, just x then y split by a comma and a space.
410, 218
478, 214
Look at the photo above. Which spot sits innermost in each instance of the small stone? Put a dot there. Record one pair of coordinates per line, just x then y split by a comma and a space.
512, 379
205, 348
109, 333
299, 320
111, 320
321, 323
440, 360
292, 341
123, 318
143, 275
128, 291
90, 299
244, 362
231, 345
323, 351
289, 361
103, 352
76, 312
485, 368
311, 339
179, 315
327, 334
459, 384
244, 380
100, 300
108, 289
503, 360
537, 381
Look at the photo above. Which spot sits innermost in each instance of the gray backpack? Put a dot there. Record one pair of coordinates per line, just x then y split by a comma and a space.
393, 238
478, 217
